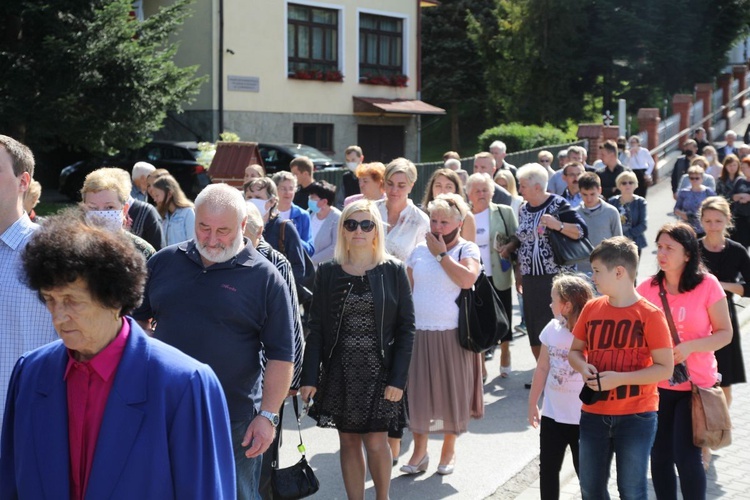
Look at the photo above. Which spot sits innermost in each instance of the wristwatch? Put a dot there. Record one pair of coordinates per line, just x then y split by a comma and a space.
272, 417
440, 256
562, 225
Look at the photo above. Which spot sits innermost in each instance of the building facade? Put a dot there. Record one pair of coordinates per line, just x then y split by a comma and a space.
323, 73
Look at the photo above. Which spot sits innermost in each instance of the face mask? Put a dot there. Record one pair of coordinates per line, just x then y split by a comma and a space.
313, 206
710, 158
260, 204
688, 152
111, 220
352, 165
448, 238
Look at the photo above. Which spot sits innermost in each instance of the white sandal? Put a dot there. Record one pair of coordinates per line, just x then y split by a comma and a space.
505, 371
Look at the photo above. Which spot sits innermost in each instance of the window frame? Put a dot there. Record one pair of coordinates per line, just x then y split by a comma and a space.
405, 37
340, 31
324, 128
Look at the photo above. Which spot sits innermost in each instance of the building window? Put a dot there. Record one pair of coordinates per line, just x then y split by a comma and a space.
312, 40
317, 135
381, 41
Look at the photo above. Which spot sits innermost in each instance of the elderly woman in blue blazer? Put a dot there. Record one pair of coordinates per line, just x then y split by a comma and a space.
324, 220
632, 208
107, 412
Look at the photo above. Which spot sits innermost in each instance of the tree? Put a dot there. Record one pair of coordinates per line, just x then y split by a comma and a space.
86, 75
453, 75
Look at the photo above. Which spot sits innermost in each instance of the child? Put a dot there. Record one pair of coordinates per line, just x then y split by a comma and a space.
622, 348
562, 408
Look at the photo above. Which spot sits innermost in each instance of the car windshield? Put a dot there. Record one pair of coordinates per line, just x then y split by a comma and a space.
310, 152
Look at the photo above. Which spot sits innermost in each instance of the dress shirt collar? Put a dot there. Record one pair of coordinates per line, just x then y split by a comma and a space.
18, 232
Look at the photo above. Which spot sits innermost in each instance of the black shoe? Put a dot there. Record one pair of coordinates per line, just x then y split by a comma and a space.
527, 385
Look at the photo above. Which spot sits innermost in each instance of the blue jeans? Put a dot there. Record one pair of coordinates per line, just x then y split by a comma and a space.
246, 469
629, 437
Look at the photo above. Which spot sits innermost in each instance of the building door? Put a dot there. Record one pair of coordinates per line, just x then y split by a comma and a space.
381, 142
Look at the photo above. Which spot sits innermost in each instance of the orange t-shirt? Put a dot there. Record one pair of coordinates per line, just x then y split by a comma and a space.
621, 339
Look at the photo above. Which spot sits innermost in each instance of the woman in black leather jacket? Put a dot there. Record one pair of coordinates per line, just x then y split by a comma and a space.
358, 351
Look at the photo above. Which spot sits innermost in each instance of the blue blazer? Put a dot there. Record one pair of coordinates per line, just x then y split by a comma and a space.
165, 431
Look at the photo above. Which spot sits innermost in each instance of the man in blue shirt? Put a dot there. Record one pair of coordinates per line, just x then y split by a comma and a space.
25, 322
216, 299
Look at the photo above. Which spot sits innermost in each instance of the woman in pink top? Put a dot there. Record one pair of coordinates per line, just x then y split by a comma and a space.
699, 308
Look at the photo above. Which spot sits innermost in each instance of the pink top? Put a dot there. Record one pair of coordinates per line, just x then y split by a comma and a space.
690, 314
88, 384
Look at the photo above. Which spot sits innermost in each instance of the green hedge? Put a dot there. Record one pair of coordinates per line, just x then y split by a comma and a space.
519, 137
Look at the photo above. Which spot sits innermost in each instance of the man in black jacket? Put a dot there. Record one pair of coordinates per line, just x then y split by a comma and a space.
682, 164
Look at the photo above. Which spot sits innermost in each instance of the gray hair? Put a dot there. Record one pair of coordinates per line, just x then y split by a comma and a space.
452, 164
140, 169
500, 145
254, 220
480, 178
220, 197
578, 149
282, 176
563, 153
404, 166
731, 133
451, 204
534, 173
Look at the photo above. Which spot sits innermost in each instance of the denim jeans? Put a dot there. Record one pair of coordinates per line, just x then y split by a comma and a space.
247, 469
629, 438
674, 446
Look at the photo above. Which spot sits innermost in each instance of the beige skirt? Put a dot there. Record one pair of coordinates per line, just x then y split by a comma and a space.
445, 385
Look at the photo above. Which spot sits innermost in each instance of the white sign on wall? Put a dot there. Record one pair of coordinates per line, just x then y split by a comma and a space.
243, 83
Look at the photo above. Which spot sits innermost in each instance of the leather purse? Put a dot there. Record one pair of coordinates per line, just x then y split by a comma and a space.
297, 481
566, 250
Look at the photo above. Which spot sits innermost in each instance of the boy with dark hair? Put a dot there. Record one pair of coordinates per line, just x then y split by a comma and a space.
622, 348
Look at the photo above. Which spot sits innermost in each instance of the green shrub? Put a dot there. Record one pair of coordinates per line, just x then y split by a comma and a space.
518, 137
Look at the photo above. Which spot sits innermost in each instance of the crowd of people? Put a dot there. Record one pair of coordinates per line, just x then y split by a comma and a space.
184, 325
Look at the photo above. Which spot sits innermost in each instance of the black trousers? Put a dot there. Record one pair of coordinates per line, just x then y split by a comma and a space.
640, 174
554, 438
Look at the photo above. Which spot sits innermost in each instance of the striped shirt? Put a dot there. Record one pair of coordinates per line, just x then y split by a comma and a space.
25, 323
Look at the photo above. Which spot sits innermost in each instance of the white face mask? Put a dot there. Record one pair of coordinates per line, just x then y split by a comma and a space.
260, 204
710, 158
111, 220
352, 165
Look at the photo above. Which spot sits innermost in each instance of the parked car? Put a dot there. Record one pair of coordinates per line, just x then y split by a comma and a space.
182, 159
277, 157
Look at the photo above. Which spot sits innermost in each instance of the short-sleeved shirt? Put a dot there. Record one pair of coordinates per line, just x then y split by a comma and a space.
563, 384
621, 339
220, 315
434, 292
690, 314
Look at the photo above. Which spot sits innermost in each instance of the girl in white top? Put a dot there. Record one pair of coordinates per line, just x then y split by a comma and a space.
406, 224
561, 412
505, 179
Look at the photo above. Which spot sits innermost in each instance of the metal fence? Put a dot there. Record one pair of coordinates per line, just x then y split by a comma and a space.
696, 112
668, 128
425, 170
717, 102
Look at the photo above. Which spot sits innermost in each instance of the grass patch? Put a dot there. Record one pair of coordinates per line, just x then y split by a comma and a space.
46, 208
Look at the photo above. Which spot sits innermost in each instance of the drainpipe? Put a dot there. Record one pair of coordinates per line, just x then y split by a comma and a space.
221, 66
419, 78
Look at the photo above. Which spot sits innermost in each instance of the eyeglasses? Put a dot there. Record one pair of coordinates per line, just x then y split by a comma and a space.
626, 183
696, 178
366, 225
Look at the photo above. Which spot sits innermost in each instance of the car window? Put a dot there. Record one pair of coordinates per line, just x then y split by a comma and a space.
152, 153
269, 155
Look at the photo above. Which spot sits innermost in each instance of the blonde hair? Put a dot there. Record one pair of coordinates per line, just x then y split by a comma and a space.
721, 205
510, 181
108, 179
404, 166
695, 169
341, 252
451, 204
33, 193
574, 290
169, 185
627, 175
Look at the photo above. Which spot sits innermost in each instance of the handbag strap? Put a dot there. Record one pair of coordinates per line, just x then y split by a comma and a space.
300, 447
668, 312
282, 231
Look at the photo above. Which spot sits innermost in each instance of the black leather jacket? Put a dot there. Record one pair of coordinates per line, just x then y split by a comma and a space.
394, 319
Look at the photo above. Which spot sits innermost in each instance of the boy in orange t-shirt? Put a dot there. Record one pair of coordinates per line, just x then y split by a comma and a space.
622, 348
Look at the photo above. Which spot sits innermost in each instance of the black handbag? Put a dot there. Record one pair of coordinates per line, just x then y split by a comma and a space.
567, 250
297, 481
481, 317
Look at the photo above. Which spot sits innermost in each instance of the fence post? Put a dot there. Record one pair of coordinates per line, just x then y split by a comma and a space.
610, 132
648, 120
593, 133
703, 92
739, 73
681, 103
725, 82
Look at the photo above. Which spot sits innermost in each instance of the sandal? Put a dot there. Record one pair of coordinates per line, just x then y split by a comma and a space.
505, 371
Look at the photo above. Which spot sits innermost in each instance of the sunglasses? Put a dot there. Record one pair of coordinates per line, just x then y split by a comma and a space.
545, 161
366, 225
626, 183
696, 178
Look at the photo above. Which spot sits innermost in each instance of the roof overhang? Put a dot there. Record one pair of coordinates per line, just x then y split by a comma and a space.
379, 106
428, 3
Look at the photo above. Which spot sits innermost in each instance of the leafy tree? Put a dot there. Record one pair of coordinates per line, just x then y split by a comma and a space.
85, 74
453, 74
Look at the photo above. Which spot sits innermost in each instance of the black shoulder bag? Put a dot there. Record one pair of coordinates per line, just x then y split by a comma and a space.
481, 317
567, 250
297, 481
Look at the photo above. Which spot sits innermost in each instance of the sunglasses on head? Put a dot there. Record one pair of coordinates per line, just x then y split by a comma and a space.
366, 225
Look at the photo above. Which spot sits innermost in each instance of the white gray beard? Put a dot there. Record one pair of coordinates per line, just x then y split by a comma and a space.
219, 255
